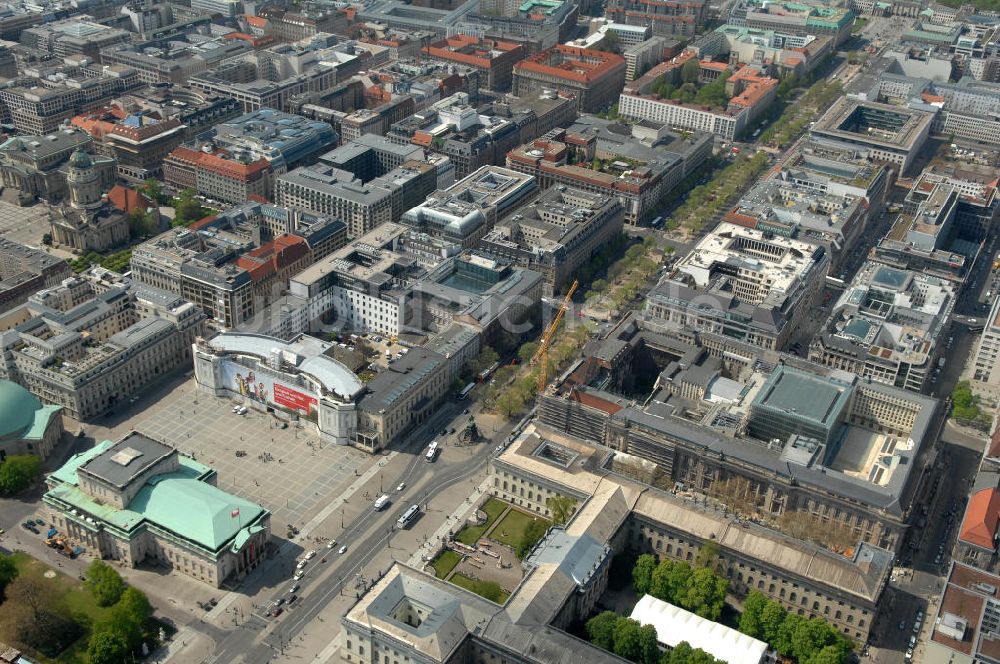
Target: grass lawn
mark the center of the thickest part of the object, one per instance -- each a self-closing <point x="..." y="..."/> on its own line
<point x="477" y="587"/>
<point x="471" y="534"/>
<point x="509" y="530"/>
<point x="70" y="594"/>
<point x="445" y="562"/>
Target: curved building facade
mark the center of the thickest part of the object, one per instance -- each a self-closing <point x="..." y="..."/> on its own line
<point x="296" y="379"/>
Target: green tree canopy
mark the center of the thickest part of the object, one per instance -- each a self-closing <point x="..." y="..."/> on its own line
<point x="690" y="71"/>
<point x="561" y="507"/>
<point x="107" y="647"/>
<point x="642" y="573"/>
<point x="601" y="629"/>
<point x="8" y="571"/>
<point x="18" y="472"/>
<point x="530" y="537"/>
<point x="104" y="583"/>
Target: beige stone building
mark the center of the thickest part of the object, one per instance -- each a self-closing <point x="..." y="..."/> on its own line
<point x="140" y="500"/>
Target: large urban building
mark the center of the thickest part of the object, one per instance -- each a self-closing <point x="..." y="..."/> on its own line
<point x="985" y="378"/>
<point x="750" y="95"/>
<point x="41" y="103"/>
<point x="410" y="614"/>
<point x="889" y="134"/>
<point x="889" y="326"/>
<point x="174" y="58"/>
<point x="821" y="195"/>
<point x="942" y="226"/>
<point x="595" y="78"/>
<point x="968" y="109"/>
<point x="471" y="138"/>
<point x="556" y="234"/>
<point x="816" y="452"/>
<point x="638" y="164"/>
<point x="674" y="18"/>
<point x="241" y="158"/>
<point x="796" y="18"/>
<point x="495" y="59"/>
<point x="234" y="264"/>
<point x="90" y="351"/>
<point x="302" y="380"/>
<point x="742" y="283"/>
<point x="87" y="220"/>
<point x="138" y="500"/>
<point x="25" y="271"/>
<point x="136" y="141"/>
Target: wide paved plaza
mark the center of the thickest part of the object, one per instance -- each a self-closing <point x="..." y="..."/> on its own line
<point x="300" y="475"/>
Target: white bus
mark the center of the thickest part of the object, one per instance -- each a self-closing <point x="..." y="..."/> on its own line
<point x="381" y="502"/>
<point x="432" y="452"/>
<point x="407" y="516"/>
<point x="465" y="391"/>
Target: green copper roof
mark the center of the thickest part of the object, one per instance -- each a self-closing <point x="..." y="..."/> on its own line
<point x="179" y="502"/>
<point x="194" y="510"/>
<point x="41" y="421"/>
<point x="17" y="408"/>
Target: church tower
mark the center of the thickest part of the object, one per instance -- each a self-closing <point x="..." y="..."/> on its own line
<point x="83" y="181"/>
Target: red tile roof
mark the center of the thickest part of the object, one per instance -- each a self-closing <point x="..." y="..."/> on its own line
<point x="981" y="517"/>
<point x="127" y="200"/>
<point x="273" y="256"/>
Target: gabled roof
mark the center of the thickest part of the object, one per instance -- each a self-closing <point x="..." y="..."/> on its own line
<point x="981" y="517"/>
<point x="127" y="200"/>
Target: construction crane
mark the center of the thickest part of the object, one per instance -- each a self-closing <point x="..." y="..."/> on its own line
<point x="542" y="354"/>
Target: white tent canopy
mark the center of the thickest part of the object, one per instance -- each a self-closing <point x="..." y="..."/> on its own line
<point x="673" y="625"/>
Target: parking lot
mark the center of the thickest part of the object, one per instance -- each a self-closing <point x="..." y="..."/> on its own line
<point x="288" y="471"/>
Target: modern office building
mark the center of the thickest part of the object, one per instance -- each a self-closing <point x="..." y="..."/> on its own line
<point x="968" y="108"/>
<point x="595" y="78"/>
<point x="139" y="499"/>
<point x="174" y="58"/>
<point x="985" y="378"/>
<point x="73" y="36"/>
<point x="742" y="283"/>
<point x="462" y="214"/>
<point x="556" y="234"/>
<point x="889" y="134"/>
<point x="89" y="351"/>
<point x="888" y="326"/>
<point x="39" y="105"/>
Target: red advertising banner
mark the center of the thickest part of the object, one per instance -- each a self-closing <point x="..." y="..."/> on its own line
<point x="286" y="396"/>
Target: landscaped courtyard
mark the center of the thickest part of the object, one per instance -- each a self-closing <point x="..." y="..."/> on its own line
<point x="485" y="557"/>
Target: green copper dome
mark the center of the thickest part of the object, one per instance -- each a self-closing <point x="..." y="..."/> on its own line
<point x="80" y="159"/>
<point x="17" y="408"/>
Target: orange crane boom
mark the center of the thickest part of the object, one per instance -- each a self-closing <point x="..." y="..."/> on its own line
<point x="542" y="354"/>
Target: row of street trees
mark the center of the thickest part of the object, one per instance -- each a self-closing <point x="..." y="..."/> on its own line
<point x="795" y="117"/>
<point x="705" y="200"/>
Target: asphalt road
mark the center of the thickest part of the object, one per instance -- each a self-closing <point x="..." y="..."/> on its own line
<point x="259" y="639"/>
